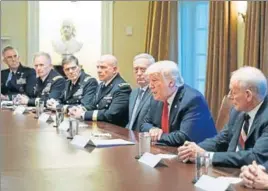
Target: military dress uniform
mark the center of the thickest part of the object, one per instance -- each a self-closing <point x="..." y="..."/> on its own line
<point x="21" y="82"/>
<point x="52" y="87"/>
<point x="82" y="92"/>
<point x="110" y="103"/>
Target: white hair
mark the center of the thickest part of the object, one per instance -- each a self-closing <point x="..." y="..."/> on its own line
<point x="46" y="55"/>
<point x="168" y="69"/>
<point x="108" y="58"/>
<point x="251" y="78"/>
<point x="149" y="57"/>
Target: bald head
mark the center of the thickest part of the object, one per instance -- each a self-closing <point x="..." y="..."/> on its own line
<point x="109" y="59"/>
<point x="107" y="67"/>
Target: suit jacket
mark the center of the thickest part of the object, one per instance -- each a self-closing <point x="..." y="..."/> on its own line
<point x="81" y="93"/>
<point x="51" y="88"/>
<point x="141" y="110"/>
<point x="189" y="118"/>
<point x="225" y="143"/>
<point x="111" y="102"/>
<point x="22" y="83"/>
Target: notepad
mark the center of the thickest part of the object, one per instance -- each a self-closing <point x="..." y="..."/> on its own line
<point x="209" y="183"/>
<point x="109" y="142"/>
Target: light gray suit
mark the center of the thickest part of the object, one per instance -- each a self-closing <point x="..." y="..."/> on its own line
<point x="141" y="110"/>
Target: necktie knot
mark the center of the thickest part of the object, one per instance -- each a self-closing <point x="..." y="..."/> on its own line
<point x="141" y="93"/>
<point x="246" y="117"/>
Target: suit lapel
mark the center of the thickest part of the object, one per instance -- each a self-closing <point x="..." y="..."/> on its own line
<point x="143" y="100"/>
<point x="236" y="132"/>
<point x="254" y="123"/>
<point x="176" y="105"/>
<point x="132" y="103"/>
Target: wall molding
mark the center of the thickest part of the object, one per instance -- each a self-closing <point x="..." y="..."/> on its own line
<point x="33" y="30"/>
<point x="107" y="27"/>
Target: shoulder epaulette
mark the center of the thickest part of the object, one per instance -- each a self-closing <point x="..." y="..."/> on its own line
<point x="123" y="85"/>
<point x="56" y="78"/>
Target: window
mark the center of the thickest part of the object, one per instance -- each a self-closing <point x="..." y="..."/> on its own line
<point x="193" y="41"/>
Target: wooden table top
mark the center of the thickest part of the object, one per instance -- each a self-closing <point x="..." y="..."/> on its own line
<point x="38" y="157"/>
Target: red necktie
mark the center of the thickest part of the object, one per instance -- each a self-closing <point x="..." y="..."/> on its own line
<point x="164" y="119"/>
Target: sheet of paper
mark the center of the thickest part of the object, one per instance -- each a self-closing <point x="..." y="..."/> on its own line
<point x="19" y="110"/>
<point x="44" y="117"/>
<point x="209" y="183"/>
<point x="167" y="156"/>
<point x="80" y="141"/>
<point x="109" y="142"/>
<point x="230" y="180"/>
<point x="150" y="159"/>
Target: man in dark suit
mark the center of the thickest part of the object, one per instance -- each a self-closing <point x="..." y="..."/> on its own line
<point x="177" y="111"/>
<point x="49" y="82"/>
<point x="245" y="136"/>
<point x="112" y="97"/>
<point x="140" y="97"/>
<point x="17" y="79"/>
<point x="255" y="176"/>
<point x="80" y="87"/>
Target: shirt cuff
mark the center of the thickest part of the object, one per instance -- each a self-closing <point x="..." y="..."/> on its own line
<point x="95" y="115"/>
<point x="211" y="154"/>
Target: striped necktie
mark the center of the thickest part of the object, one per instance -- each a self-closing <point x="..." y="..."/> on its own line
<point x="244" y="131"/>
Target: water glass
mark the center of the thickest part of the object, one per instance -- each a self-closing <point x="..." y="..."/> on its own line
<point x="15" y="100"/>
<point x="73" y="128"/>
<point x="39" y="108"/>
<point x="202" y="164"/>
<point x="144" y="143"/>
<point x="59" y="115"/>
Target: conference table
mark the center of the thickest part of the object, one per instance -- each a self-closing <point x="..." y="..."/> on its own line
<point x="35" y="156"/>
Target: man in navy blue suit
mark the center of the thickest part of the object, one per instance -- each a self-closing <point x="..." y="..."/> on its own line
<point x="177" y="112"/>
<point x="245" y="136"/>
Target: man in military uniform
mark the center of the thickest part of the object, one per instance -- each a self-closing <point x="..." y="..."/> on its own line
<point x="112" y="96"/>
<point x="80" y="87"/>
<point x="49" y="82"/>
<point x="17" y="79"/>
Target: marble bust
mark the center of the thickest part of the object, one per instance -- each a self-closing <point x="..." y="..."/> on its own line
<point x="67" y="44"/>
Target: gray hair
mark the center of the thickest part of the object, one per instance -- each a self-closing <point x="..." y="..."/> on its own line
<point x="251" y="78"/>
<point x="108" y="58"/>
<point x="168" y="69"/>
<point x="69" y="59"/>
<point x="7" y="48"/>
<point x="149" y="57"/>
<point x="46" y="55"/>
